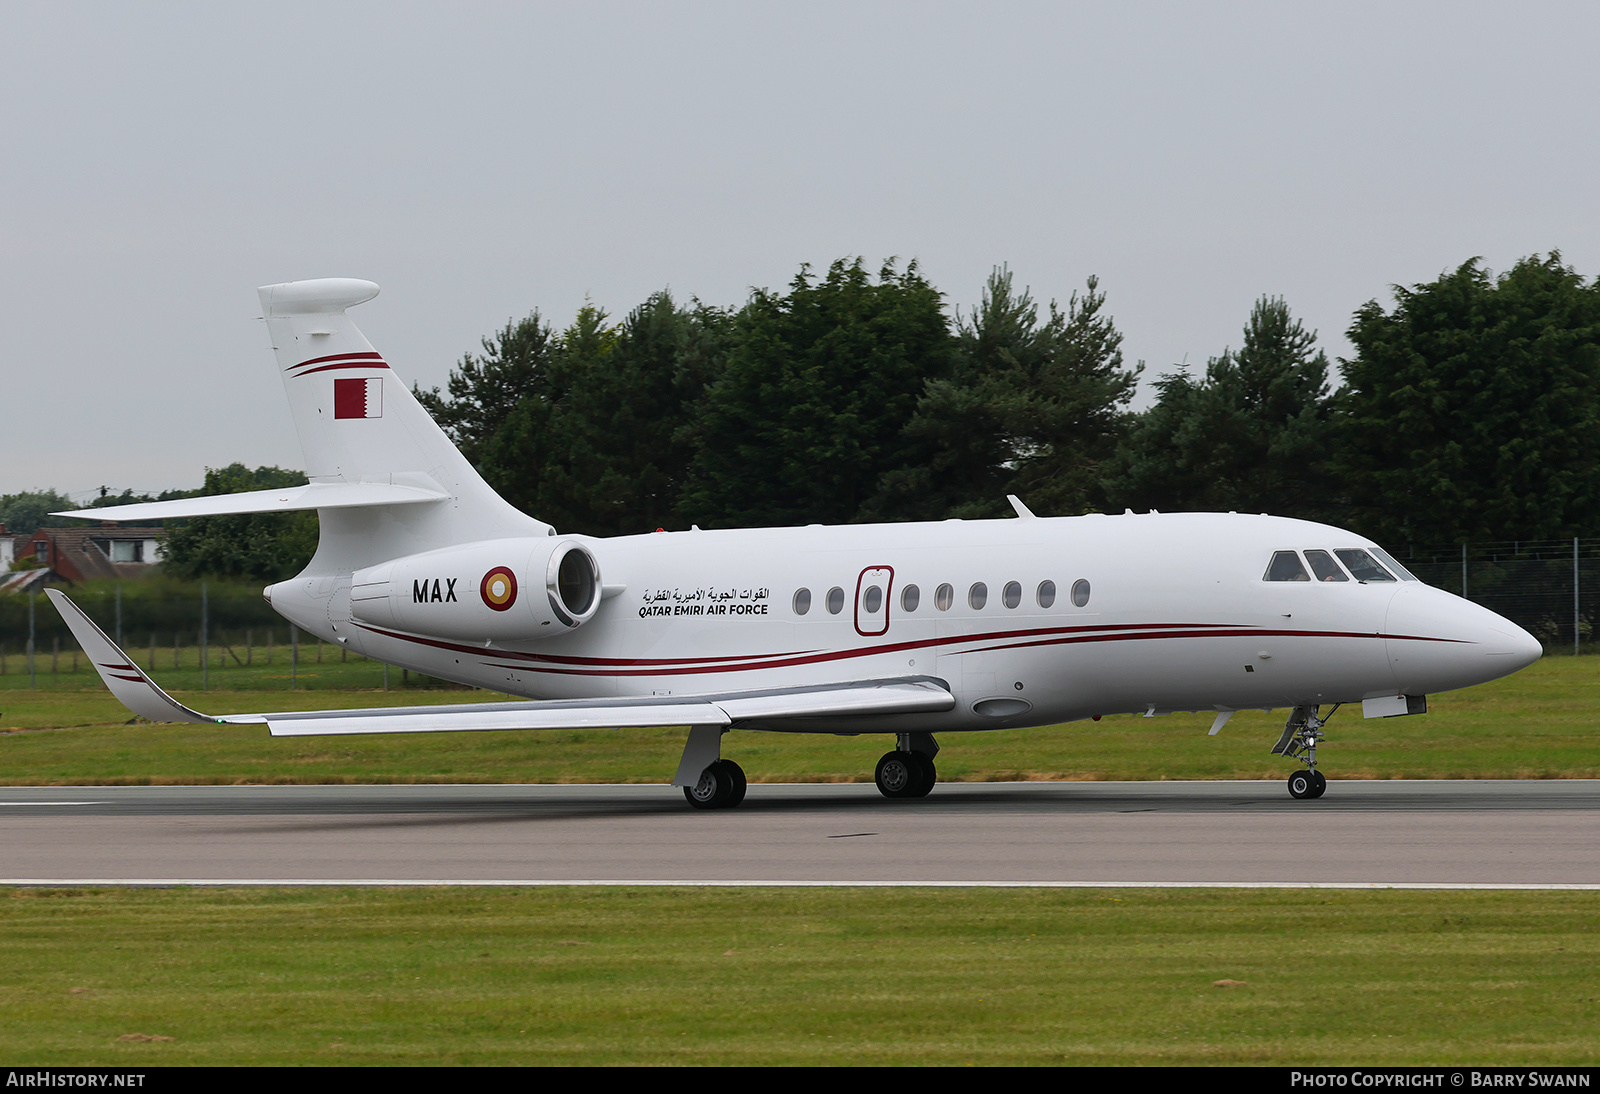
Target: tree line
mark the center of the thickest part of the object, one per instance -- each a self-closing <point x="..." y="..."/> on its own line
<point x="1466" y="413"/>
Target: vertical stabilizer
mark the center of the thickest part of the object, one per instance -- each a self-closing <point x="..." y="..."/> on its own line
<point x="358" y="423"/>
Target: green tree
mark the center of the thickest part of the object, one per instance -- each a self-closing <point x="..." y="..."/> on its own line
<point x="254" y="546"/>
<point x="486" y="391"/>
<point x="30" y="510"/>
<point x="1068" y="400"/>
<point x="1032" y="407"/>
<point x="619" y="441"/>
<point x="1252" y="435"/>
<point x="1473" y="409"/>
<point x="820" y="385"/>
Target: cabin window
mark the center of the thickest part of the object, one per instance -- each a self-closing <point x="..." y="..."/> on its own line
<point x="873" y="600"/>
<point x="802" y="602"/>
<point x="1324" y="567"/>
<point x="1011" y="595"/>
<point x="1286" y="566"/>
<point x="944" y="596"/>
<point x="835" y="600"/>
<point x="1080" y="593"/>
<point x="1363" y="566"/>
<point x="1046" y="594"/>
<point x="978" y="596"/>
<point x="910" y="596"/>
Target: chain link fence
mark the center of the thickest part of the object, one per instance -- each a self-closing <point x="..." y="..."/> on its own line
<point x="1550" y="588"/>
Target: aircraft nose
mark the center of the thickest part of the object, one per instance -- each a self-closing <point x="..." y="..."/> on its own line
<point x="1437" y="642"/>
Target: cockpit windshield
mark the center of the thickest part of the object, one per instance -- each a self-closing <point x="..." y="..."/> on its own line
<point x="1324" y="567"/>
<point x="1394" y="567"/>
<point x="1286" y="566"/>
<point x="1363" y="565"/>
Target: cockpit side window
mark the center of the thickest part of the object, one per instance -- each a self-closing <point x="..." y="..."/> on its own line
<point x="1286" y="566"/>
<point x="1324" y="567"/>
<point x="1363" y="566"/>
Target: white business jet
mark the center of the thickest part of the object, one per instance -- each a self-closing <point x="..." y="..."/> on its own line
<point x="900" y="629"/>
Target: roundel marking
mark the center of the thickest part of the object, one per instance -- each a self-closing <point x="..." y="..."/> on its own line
<point x="499" y="588"/>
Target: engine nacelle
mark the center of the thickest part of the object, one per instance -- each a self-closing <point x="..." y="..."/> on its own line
<point x="498" y="590"/>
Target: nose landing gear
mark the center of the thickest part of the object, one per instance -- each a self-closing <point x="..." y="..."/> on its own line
<point x="1299" y="742"/>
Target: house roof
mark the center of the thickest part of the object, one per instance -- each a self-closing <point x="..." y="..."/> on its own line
<point x="79" y="554"/>
<point x="23" y="581"/>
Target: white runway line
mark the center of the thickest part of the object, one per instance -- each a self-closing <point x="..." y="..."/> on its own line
<point x="412" y="883"/>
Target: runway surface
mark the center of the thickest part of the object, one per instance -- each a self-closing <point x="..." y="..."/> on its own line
<point x="1488" y="833"/>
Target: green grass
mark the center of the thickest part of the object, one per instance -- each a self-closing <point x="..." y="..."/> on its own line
<point x="1539" y="723"/>
<point x="818" y="976"/>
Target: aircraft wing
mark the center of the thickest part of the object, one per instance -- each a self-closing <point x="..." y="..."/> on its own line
<point x="143" y="696"/>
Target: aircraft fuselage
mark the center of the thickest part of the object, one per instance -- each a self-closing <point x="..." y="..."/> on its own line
<point x="1029" y="621"/>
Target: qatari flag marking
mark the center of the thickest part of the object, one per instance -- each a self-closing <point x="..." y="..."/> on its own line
<point x="358" y="397"/>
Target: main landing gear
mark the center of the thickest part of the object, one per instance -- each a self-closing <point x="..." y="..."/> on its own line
<point x="711" y="782"/>
<point x="1299" y="742"/>
<point x="908" y="771"/>
<point x="721" y="786"/>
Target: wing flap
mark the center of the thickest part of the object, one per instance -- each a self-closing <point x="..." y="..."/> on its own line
<point x="867" y="697"/>
<point x="492" y="716"/>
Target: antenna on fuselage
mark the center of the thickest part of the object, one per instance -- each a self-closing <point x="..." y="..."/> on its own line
<point x="1022" y="510"/>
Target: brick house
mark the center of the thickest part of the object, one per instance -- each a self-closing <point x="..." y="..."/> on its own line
<point x="82" y="554"/>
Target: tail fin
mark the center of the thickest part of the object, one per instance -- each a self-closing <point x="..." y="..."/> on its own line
<point x="385" y="480"/>
<point x="358" y="423"/>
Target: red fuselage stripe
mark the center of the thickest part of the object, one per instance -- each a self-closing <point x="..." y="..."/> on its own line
<point x="889" y="648"/>
<point x="686" y="667"/>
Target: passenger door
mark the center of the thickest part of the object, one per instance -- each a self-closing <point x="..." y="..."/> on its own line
<point x="873" y="587"/>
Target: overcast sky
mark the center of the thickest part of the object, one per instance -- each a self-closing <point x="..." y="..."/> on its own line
<point x="159" y="161"/>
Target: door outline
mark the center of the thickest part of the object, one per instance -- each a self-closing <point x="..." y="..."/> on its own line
<point x="888" y="587"/>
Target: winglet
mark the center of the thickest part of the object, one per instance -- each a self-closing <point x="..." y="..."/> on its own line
<point x="133" y="688"/>
<point x="1016" y="503"/>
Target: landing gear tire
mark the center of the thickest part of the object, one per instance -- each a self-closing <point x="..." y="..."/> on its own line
<point x="905" y="775"/>
<point x="736" y="776"/>
<point x="1304" y="784"/>
<point x="721" y="786"/>
<point x="898" y="775"/>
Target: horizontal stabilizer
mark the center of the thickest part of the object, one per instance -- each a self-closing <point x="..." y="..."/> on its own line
<point x="317" y="495"/>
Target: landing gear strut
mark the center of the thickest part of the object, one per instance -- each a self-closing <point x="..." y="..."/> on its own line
<point x="1299" y="742"/>
<point x="908" y="771"/>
